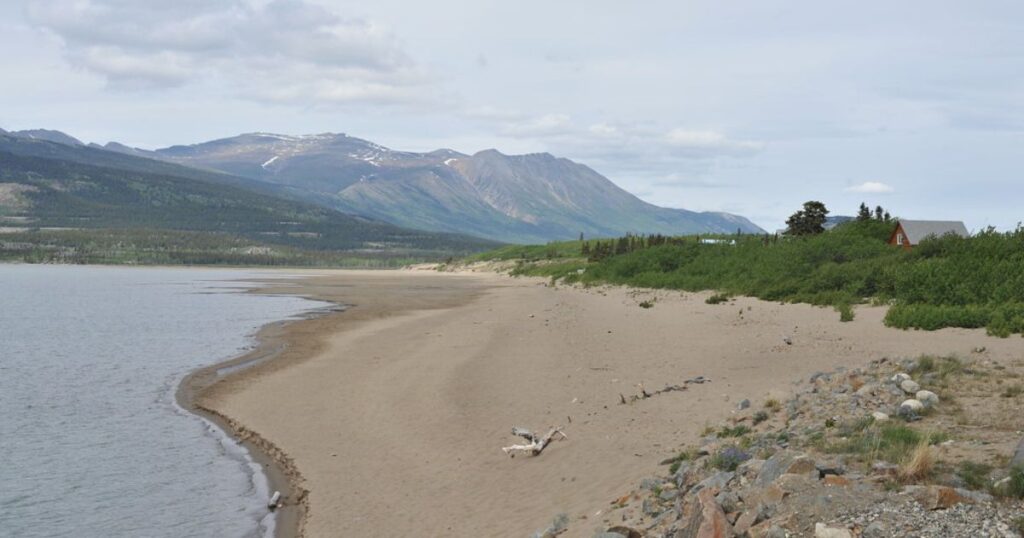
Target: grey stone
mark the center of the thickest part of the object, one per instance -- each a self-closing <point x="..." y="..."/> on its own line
<point x="744" y="404"/>
<point x="927" y="397"/>
<point x="910" y="386"/>
<point x="717" y="482"/>
<point x="783" y="462"/>
<point x="683" y="475"/>
<point x="650" y="483"/>
<point x="1018" y="454"/>
<point x="876" y="529"/>
<point x="729" y="501"/>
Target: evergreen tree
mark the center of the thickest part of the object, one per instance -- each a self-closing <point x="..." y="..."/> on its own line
<point x="878" y="213"/>
<point x="864" y="213"/>
<point x="808" y="221"/>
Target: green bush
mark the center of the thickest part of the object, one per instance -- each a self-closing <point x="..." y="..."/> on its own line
<point x="943" y="282"/>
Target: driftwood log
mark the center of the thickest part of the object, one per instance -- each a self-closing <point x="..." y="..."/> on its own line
<point x="536" y="445"/>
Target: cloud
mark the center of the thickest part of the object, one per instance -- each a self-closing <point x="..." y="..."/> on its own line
<point x="281" y="51"/>
<point x="871" y="187"/>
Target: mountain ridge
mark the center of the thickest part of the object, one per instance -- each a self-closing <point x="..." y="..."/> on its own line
<point x="534" y="197"/>
<point x="528" y="198"/>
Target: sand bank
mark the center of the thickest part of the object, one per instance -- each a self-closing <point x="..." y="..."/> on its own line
<point x="391" y="415"/>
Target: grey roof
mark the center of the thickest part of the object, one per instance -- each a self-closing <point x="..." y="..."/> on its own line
<point x="917" y="230"/>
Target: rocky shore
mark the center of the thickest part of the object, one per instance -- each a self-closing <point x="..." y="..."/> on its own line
<point x="915" y="447"/>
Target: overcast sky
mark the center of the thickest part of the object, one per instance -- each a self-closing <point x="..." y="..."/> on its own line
<point x="749" y="107"/>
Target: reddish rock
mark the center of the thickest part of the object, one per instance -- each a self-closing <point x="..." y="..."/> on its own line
<point x="704" y="518"/>
<point x="836" y="480"/>
<point x="937" y="497"/>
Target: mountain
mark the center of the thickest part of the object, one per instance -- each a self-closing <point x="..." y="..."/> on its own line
<point x="53" y="185"/>
<point x="515" y="198"/>
<point x="46" y="134"/>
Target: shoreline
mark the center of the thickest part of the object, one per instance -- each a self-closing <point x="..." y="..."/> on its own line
<point x="419" y="355"/>
<point x="278" y="468"/>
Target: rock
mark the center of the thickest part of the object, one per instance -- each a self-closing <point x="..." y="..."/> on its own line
<point x="650" y="507"/>
<point x="911" y="408"/>
<point x="830" y="467"/>
<point x="876" y="529"/>
<point x="792" y="483"/>
<point x="900" y="378"/>
<point x="884" y="468"/>
<point x="927" y="397"/>
<point x="767" y="529"/>
<point x="750" y="468"/>
<point x="822" y="530"/>
<point x="975" y="496"/>
<point x="745" y="521"/>
<point x="784" y="462"/>
<point x="650" y="483"/>
<point x="936" y="497"/>
<point x="879" y="416"/>
<point x="1018" y="455"/>
<point x="683" y="476"/>
<point x="744" y="404"/>
<point x="625" y="532"/>
<point x="835" y="480"/>
<point x="714" y="483"/>
<point x="704" y="518"/>
<point x="669" y="494"/>
<point x="729" y="501"/>
<point x="910" y="386"/>
<point x="866" y="390"/>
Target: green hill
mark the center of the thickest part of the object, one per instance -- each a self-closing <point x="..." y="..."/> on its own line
<point x="59" y="192"/>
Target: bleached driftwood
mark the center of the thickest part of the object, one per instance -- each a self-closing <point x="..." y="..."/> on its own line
<point x="644" y="394"/>
<point x="537" y="444"/>
<point x="275" y="501"/>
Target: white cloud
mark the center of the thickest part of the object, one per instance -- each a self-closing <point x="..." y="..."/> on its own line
<point x="871" y="187"/>
<point x="284" y="50"/>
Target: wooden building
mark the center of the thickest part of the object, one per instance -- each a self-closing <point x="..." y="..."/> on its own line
<point x="909" y="233"/>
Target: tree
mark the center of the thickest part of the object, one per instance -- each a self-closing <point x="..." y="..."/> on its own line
<point x="864" y="213"/>
<point x="808" y="221"/>
<point x="878" y="213"/>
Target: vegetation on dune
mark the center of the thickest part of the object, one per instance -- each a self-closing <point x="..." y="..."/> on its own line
<point x="948" y="281"/>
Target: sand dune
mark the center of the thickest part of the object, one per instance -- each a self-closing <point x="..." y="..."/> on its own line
<point x="394" y="412"/>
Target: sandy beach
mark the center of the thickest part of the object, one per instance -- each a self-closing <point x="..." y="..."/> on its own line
<point x="388" y="418"/>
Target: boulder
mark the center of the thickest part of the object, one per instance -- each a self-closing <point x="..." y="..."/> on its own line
<point x="900" y="378"/>
<point x="927" y="397"/>
<point x="704" y="518"/>
<point x="879" y="416"/>
<point x="715" y="483"/>
<point x="625" y="532"/>
<point x="836" y="480"/>
<point x="1018" y="455"/>
<point x="910" y="386"/>
<point x="822" y="530"/>
<point x="767" y="529"/>
<point x="936" y="497"/>
<point x="784" y="462"/>
<point x="911" y="408"/>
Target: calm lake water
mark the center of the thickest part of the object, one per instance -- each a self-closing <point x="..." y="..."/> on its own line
<point x="92" y="443"/>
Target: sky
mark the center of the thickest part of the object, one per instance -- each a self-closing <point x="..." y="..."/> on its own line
<point x="750" y="107"/>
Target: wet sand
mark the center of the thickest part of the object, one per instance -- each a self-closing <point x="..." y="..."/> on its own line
<point x="388" y="419"/>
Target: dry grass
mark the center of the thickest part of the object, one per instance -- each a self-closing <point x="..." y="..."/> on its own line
<point x="919" y="464"/>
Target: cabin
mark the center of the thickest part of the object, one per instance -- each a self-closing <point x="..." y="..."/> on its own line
<point x="909" y="233"/>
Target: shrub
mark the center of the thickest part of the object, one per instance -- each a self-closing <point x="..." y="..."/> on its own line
<point x="760" y="417"/>
<point x="729" y="458"/>
<point x="717" y="298"/>
<point x="975" y="475"/>
<point x="918" y="464"/>
<point x="735" y="431"/>
<point x="845" y="312"/>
